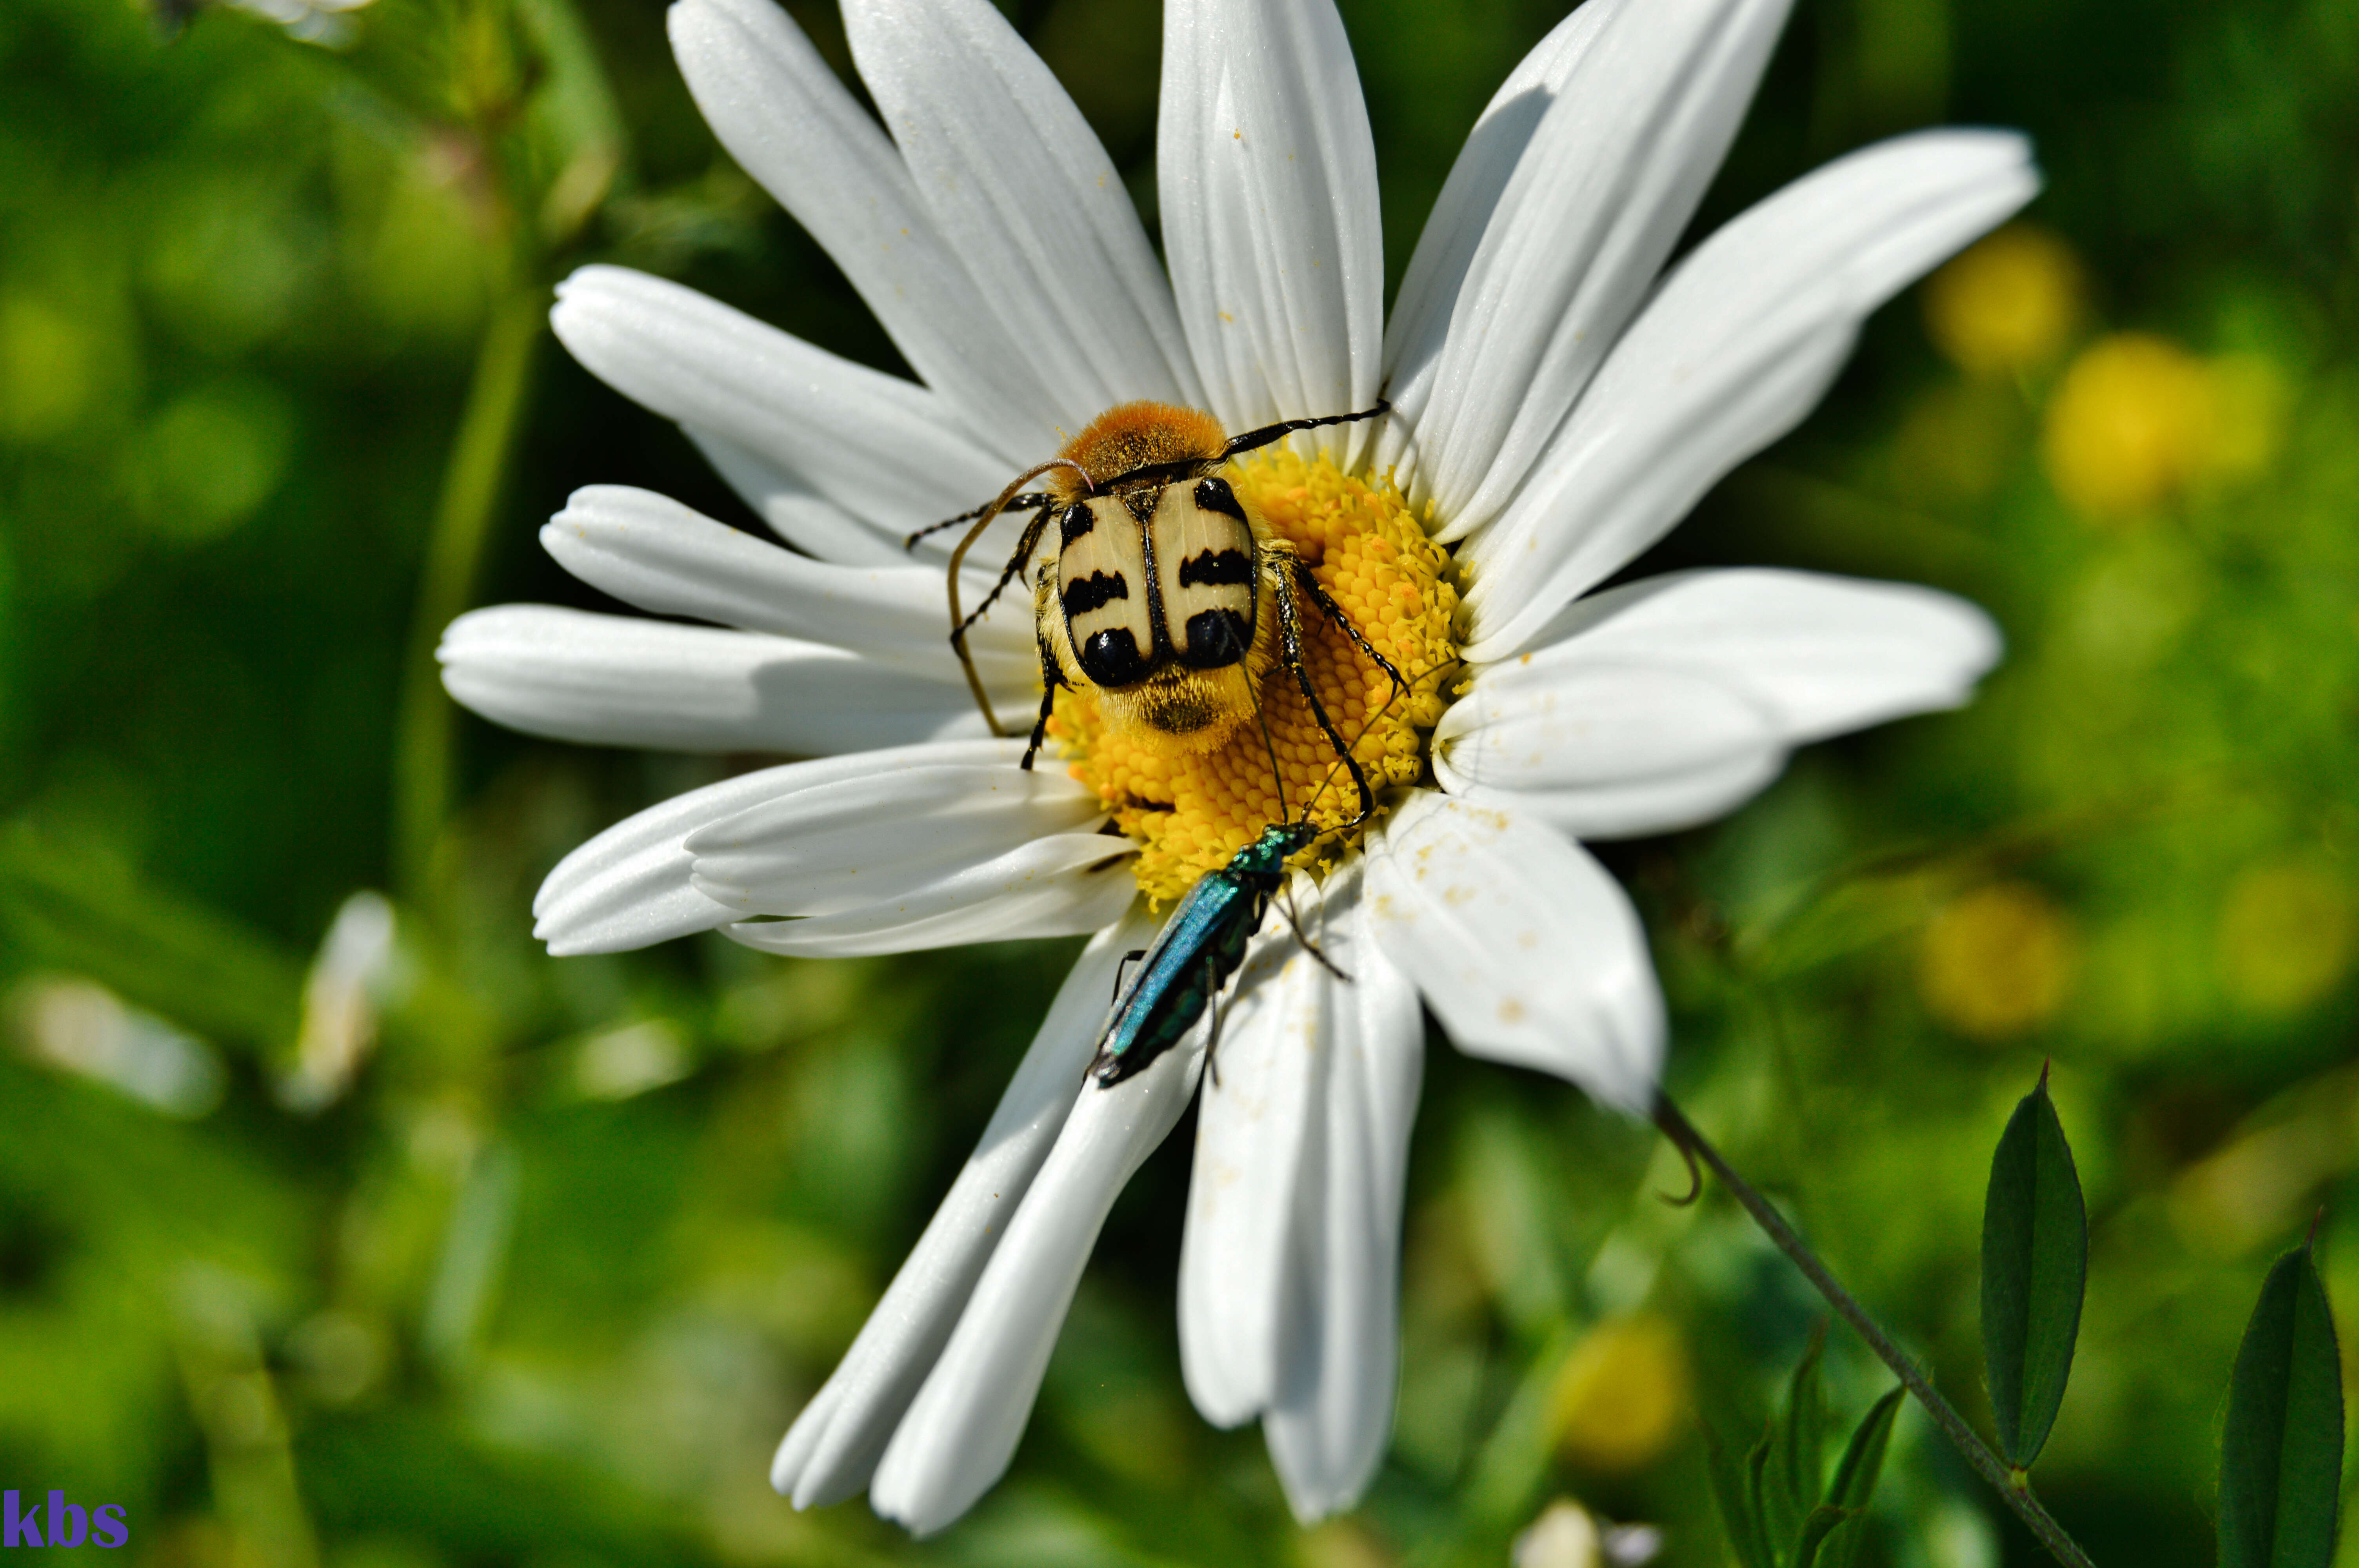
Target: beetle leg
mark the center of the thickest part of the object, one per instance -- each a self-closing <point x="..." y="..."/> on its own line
<point x="1286" y="907"/>
<point x="1212" y="1025"/>
<point x="1134" y="955"/>
<point x="1334" y="612"/>
<point x="1016" y="564"/>
<point x="1051" y="677"/>
<point x="1290" y="643"/>
<point x="1021" y="503"/>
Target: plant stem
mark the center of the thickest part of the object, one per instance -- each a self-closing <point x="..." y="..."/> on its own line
<point x="2013" y="1487"/>
<point x="471" y="490"/>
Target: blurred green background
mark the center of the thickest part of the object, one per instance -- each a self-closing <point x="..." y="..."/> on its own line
<point x="338" y="1225"/>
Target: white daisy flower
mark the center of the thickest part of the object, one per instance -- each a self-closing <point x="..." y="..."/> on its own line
<point x="1560" y="401"/>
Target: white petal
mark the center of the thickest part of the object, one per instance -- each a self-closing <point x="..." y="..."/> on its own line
<point x="819" y="528"/>
<point x="1666" y="702"/>
<point x="963" y="1427"/>
<point x="782" y="113"/>
<point x="794" y="511"/>
<point x="1252" y="1130"/>
<point x="835" y="1444"/>
<point x="629" y="886"/>
<point x="1611" y="174"/>
<point x="1023" y="193"/>
<point x="1605" y="749"/>
<point x="844" y="845"/>
<point x="1735" y="349"/>
<point x="1822" y="655"/>
<point x="1328" y="1431"/>
<point x="619" y="680"/>
<point x="1058" y="886"/>
<point x="1523" y="946"/>
<point x="1266" y="179"/>
<point x="886" y="450"/>
<point x="649" y="550"/>
<point x="1555" y="540"/>
<point x="1462" y="215"/>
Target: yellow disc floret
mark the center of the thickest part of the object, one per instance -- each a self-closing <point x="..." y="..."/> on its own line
<point x="1369" y="551"/>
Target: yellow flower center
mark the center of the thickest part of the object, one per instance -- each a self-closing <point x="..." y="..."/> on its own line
<point x="1190" y="814"/>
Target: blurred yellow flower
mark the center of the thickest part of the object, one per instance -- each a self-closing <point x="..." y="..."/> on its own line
<point x="1996" y="961"/>
<point x="2286" y="934"/>
<point x="2007" y="305"/>
<point x="2132" y="420"/>
<point x="1622" y="1395"/>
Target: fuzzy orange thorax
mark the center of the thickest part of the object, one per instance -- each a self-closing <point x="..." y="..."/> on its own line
<point x="1135" y="435"/>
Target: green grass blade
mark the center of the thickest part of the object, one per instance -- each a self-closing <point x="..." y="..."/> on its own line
<point x="69" y="909"/>
<point x="2281" y="1454"/>
<point x="2035" y="1264"/>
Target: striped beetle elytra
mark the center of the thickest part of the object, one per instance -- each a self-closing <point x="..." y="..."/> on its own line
<point x="1165" y="593"/>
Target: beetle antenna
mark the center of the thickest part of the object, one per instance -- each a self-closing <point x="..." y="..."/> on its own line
<point x="959" y="623"/>
<point x="1285" y="427"/>
<point x="1199" y="468"/>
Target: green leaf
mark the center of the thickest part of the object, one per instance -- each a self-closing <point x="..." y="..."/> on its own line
<point x="1759" y="1491"/>
<point x="1796" y="1443"/>
<point x="2281" y="1455"/>
<point x="2035" y="1264"/>
<point x="1844" y="1542"/>
<point x="1730" y="1490"/>
<point x="1863" y="1460"/>
<point x="1816" y="1526"/>
<point x="1855" y="1477"/>
<point x="1800" y="1454"/>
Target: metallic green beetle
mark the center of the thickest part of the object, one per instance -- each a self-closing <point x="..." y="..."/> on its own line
<point x="1196" y="952"/>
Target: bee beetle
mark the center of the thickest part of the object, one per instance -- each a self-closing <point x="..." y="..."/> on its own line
<point x="1162" y="583"/>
